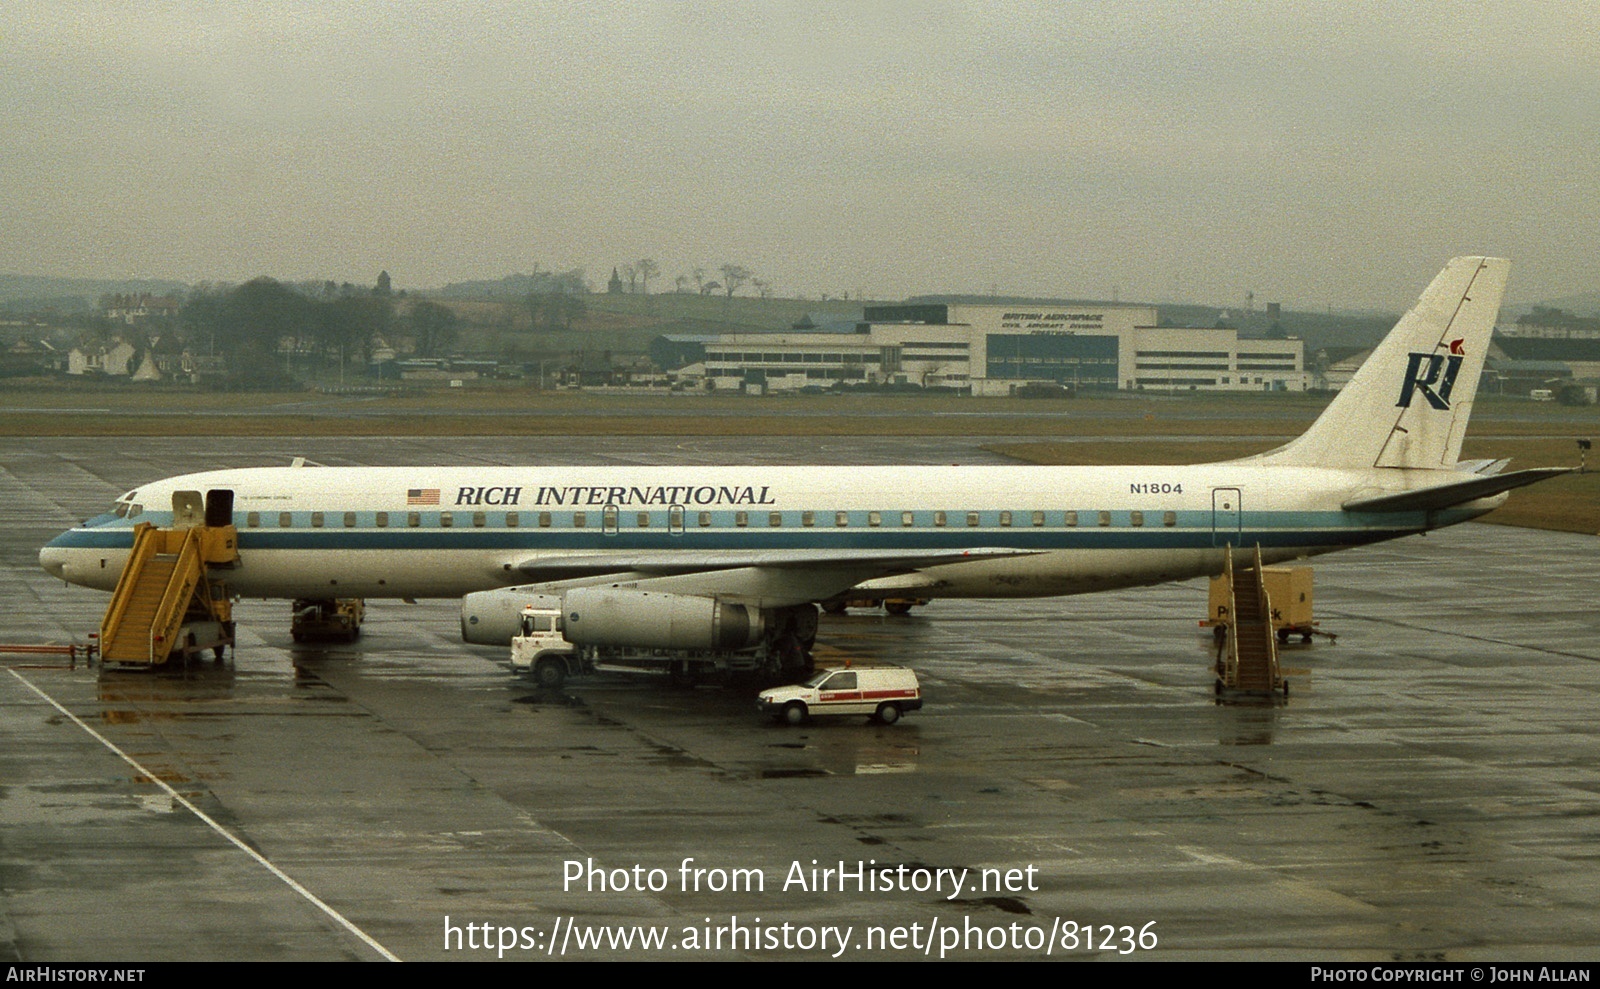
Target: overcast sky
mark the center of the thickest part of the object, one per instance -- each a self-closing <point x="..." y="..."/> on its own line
<point x="1318" y="154"/>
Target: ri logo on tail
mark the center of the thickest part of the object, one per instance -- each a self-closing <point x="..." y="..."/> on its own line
<point x="1433" y="376"/>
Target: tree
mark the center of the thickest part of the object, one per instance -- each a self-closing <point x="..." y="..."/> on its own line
<point x="733" y="276"/>
<point x="382" y="289"/>
<point x="554" y="309"/>
<point x="434" y="327"/>
<point x="647" y="269"/>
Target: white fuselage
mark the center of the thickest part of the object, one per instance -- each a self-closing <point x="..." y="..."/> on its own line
<point x="411" y="532"/>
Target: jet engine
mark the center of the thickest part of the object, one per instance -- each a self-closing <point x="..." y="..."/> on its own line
<point x="492" y="618"/>
<point x="610" y="616"/>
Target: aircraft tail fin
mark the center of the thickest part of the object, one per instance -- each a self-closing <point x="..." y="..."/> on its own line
<point x="1409" y="403"/>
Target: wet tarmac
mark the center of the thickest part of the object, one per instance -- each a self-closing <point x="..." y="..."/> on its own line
<point x="1431" y="789"/>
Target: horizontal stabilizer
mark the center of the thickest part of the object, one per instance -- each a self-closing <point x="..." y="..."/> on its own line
<point x="1454" y="493"/>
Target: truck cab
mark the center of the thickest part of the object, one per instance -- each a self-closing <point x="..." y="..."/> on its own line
<point x="541" y="648"/>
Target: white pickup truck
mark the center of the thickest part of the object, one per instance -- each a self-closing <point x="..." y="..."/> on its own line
<point x="880" y="692"/>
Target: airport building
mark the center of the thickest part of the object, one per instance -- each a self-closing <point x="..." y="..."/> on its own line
<point x="991" y="350"/>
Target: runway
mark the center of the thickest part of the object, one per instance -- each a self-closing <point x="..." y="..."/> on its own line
<point x="1430" y="791"/>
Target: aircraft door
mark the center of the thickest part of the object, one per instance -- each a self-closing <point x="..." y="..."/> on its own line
<point x="675" y="520"/>
<point x="609" y="520"/>
<point x="219" y="507"/>
<point x="188" y="509"/>
<point x="1226" y="517"/>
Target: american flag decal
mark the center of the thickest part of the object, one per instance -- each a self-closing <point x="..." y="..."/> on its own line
<point x="422" y="496"/>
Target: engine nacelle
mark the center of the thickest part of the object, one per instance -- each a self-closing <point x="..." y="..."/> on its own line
<point x="611" y="616"/>
<point x="492" y="618"/>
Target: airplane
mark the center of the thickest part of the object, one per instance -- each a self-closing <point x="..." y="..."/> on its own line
<point x="737" y="558"/>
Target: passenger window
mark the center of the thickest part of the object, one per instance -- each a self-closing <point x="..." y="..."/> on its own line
<point x="1136" y="518"/>
<point x="1105" y="518"/>
<point x="938" y="518"/>
<point x="1005" y="518"/>
<point x="1070" y="518"/>
<point x="644" y="520"/>
<point x="413" y="519"/>
<point x="841" y="681"/>
<point x="808" y="518"/>
<point x="512" y="520"/>
<point x="446" y="520"/>
<point x="874" y="518"/>
<point x="774" y="519"/>
<point x="741" y="519"/>
<point x="382" y="519"/>
<point x="841" y="518"/>
<point x="972" y="518"/>
<point x="285" y="520"/>
<point x="349" y="520"/>
<point x="252" y="519"/>
<point x="705" y="520"/>
<point x="579" y="520"/>
<point x="906" y="518"/>
<point x="1038" y="518"/>
<point x="544" y="520"/>
<point x="1169" y="518"/>
<point x="479" y="520"/>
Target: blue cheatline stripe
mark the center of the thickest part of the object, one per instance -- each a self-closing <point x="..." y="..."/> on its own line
<point x="1193" y="531"/>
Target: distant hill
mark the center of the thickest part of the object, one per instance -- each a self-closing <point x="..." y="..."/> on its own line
<point x="26" y="293"/>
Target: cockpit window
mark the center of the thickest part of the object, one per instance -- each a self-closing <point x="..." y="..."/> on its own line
<point x="120" y="509"/>
<point x="135" y="510"/>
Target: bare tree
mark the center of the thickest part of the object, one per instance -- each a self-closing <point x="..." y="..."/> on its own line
<point x="733" y="276"/>
<point x="700" y="281"/>
<point x="648" y="269"/>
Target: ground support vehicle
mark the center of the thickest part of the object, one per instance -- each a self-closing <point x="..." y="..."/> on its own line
<point x="327" y="619"/>
<point x="541" y="649"/>
<point x="894" y="606"/>
<point x="883" y="693"/>
<point x="1288" y="589"/>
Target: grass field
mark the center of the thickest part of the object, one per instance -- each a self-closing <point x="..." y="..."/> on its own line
<point x="1148" y="429"/>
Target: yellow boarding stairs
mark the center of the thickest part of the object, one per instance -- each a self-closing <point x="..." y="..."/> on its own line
<point x="167" y="602"/>
<point x="1247" y="662"/>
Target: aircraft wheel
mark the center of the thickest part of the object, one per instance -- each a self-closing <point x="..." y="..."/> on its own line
<point x="794" y="714"/>
<point x="550" y="673"/>
<point x="888" y="713"/>
<point x="834" y="607"/>
<point x="897" y="607"/>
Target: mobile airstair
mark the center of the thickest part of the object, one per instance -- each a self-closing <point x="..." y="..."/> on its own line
<point x="1247" y="653"/>
<point x="170" y="599"/>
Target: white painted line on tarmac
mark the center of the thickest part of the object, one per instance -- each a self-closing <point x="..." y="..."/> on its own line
<point x="219" y="829"/>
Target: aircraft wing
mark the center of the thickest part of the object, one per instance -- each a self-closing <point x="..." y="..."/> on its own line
<point x="773" y="577"/>
<point x="1455" y="492"/>
<point x="569" y="565"/>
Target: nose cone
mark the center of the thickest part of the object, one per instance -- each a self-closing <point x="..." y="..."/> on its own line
<point x="54" y="560"/>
